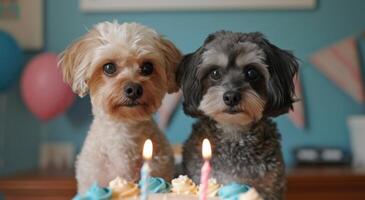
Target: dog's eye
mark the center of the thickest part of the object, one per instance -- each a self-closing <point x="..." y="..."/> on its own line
<point x="146" y="69"/>
<point x="252" y="74"/>
<point x="109" y="69"/>
<point x="215" y="74"/>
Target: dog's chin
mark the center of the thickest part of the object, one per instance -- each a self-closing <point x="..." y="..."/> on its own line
<point x="130" y="112"/>
<point x="233" y="110"/>
<point x="131" y="104"/>
<point x="233" y="117"/>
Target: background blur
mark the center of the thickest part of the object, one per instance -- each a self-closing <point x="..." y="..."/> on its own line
<point x="303" y="31"/>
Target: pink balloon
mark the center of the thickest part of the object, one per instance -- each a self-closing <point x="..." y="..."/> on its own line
<point x="42" y="87"/>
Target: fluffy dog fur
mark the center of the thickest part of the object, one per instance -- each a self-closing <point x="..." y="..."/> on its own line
<point x="234" y="84"/>
<point x="127" y="69"/>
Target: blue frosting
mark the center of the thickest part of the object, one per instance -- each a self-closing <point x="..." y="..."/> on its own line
<point x="157" y="185"/>
<point x="232" y="191"/>
<point x="95" y="192"/>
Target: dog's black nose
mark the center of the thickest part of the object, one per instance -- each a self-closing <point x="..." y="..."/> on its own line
<point x="231" y="98"/>
<point x="133" y="91"/>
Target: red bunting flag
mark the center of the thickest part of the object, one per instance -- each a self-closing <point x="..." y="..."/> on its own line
<point x="340" y="63"/>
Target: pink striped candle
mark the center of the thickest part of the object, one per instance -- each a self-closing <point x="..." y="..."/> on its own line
<point x="207" y="154"/>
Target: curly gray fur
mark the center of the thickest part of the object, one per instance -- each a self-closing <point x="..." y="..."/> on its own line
<point x="235" y="111"/>
<point x="251" y="156"/>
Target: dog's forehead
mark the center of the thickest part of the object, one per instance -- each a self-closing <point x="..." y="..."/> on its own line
<point x="135" y="37"/>
<point x="224" y="48"/>
<point x="251" y="53"/>
<point x="215" y="57"/>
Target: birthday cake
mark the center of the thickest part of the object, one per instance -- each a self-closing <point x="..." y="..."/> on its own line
<point x="181" y="188"/>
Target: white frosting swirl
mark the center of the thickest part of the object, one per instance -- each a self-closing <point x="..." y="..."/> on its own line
<point x="122" y="189"/>
<point x="251" y="194"/>
<point x="183" y="185"/>
<point x="213" y="187"/>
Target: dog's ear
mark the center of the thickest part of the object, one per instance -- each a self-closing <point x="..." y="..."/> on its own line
<point x="282" y="66"/>
<point x="186" y="77"/>
<point x="172" y="57"/>
<point x="74" y="62"/>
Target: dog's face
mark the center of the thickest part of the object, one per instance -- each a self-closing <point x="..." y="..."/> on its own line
<point x="237" y="78"/>
<point x="127" y="69"/>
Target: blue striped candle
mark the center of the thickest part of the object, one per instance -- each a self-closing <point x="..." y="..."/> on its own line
<point x="145" y="175"/>
<point x="145" y="170"/>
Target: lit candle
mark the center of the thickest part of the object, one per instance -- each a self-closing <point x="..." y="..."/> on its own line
<point x="207" y="154"/>
<point x="145" y="171"/>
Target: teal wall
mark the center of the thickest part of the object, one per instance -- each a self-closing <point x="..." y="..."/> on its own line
<point x="301" y="31"/>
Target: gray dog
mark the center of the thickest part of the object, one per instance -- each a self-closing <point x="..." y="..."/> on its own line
<point x="234" y="84"/>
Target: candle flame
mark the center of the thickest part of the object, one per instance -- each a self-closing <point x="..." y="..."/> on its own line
<point x="147" y="149"/>
<point x="206" y="149"/>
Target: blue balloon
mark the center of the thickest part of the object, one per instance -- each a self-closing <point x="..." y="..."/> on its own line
<point x="11" y="60"/>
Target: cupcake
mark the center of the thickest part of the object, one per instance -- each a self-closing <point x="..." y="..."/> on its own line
<point x="232" y="191"/>
<point x="157" y="185"/>
<point x="251" y="194"/>
<point x="213" y="187"/>
<point x="95" y="193"/>
<point x="122" y="189"/>
<point x="183" y="185"/>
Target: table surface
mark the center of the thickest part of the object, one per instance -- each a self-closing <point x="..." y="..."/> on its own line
<point x="299" y="182"/>
<point x="323" y="174"/>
